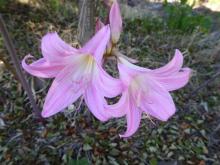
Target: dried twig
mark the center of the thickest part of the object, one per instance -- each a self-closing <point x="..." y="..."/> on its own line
<point x="10" y="47"/>
<point x="195" y="91"/>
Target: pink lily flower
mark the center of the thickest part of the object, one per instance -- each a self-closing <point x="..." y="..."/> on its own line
<point x="77" y="72"/>
<point x="148" y="90"/>
<point x="115" y="20"/>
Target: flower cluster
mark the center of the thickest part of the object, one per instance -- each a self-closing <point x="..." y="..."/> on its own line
<point x="79" y="73"/>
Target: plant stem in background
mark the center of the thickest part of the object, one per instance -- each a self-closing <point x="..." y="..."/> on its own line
<point x="10" y="47"/>
<point x="86" y="23"/>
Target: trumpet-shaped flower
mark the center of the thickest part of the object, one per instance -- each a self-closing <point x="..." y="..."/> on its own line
<point x="77" y="72"/>
<point x="147" y="91"/>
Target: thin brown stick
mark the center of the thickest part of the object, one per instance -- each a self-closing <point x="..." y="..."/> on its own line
<point x="195" y="91"/>
<point x="10" y="47"/>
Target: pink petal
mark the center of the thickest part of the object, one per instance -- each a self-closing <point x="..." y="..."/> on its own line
<point x="126" y="74"/>
<point x="119" y="54"/>
<point x="96" y="103"/>
<point x="41" y="68"/>
<point x="174" y="81"/>
<point x="158" y="102"/>
<point x="54" y="48"/>
<point x="99" y="24"/>
<point x="63" y="92"/>
<point x="133" y="116"/>
<point x="97" y="45"/>
<point x="119" y="109"/>
<point x="131" y="66"/>
<point x="109" y="86"/>
<point x="131" y="60"/>
<point x="128" y="70"/>
<point x="173" y="66"/>
<point x="115" y="22"/>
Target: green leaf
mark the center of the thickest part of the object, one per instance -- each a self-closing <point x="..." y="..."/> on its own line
<point x="82" y="161"/>
<point x="87" y="147"/>
<point x="153" y="161"/>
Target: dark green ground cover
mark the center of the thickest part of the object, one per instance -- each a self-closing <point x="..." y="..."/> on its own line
<point x="192" y="136"/>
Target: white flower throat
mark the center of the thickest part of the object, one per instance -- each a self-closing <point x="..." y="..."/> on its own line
<point x="138" y="87"/>
<point x="84" y="71"/>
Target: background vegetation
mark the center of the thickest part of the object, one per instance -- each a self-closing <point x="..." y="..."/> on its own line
<point x="192" y="136"/>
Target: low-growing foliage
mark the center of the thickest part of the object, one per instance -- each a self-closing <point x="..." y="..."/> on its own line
<point x="180" y="16"/>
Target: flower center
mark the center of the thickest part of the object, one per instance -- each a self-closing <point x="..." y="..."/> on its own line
<point x="84" y="71"/>
<point x="138" y="87"/>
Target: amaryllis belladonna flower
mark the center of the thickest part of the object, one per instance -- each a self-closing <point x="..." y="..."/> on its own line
<point x="77" y="72"/>
<point x="114" y="19"/>
<point x="147" y="91"/>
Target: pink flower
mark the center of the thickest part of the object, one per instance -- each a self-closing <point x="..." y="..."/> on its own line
<point x="77" y="72"/>
<point x="115" y="20"/>
<point x="147" y="91"/>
